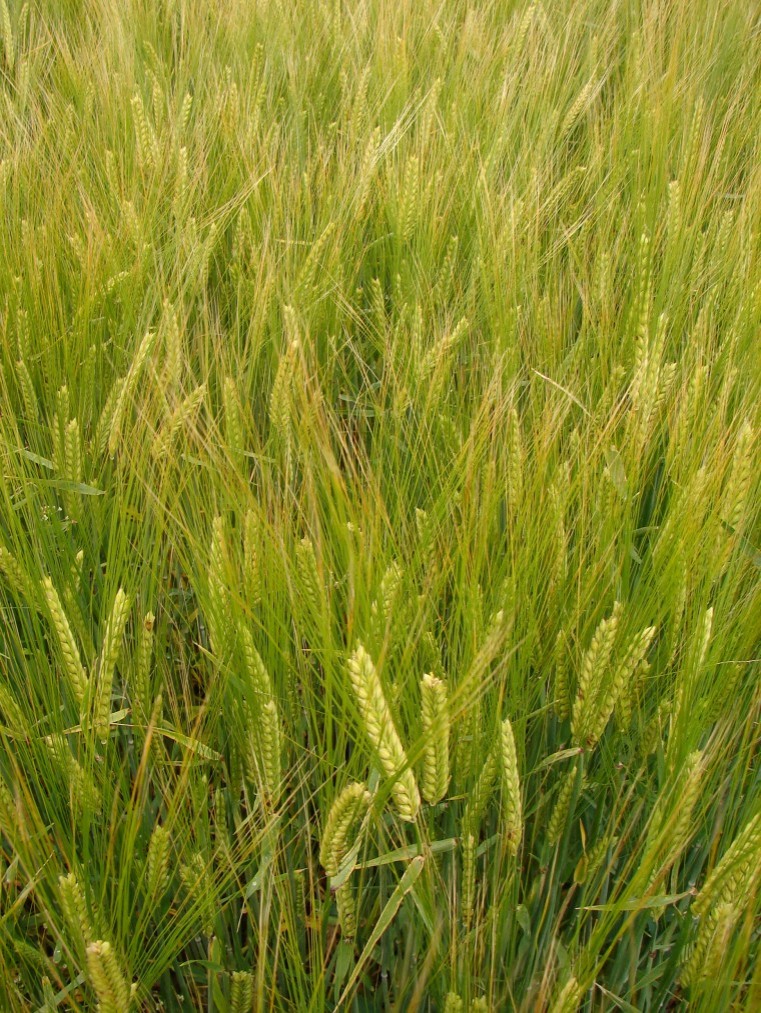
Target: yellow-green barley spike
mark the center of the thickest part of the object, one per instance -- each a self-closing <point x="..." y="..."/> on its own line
<point x="468" y="844"/>
<point x="568" y="999"/>
<point x="435" y="780"/>
<point x="69" y="651"/>
<point x="251" y="557"/>
<point x="157" y="863"/>
<point x="271" y="752"/>
<point x="710" y="948"/>
<point x="594" y="668"/>
<point x="107" y="978"/>
<point x="74" y="907"/>
<point x="141" y="702"/>
<point x="562" y="809"/>
<point x="512" y="805"/>
<point x="109" y="655"/>
<point x="218" y="618"/>
<point x="453" y="1003"/>
<point x="311" y="588"/>
<point x="741" y="859"/>
<point x="344" y="820"/>
<point x="242" y="992"/>
<point x="381" y="731"/>
<point x="346" y="902"/>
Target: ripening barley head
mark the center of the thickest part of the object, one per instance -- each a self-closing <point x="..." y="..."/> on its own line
<point x="672" y="825"/>
<point x="512" y="806"/>
<point x="732" y="875"/>
<point x="710" y="948"/>
<point x="468" y="892"/>
<point x="310" y="585"/>
<point x="561" y="812"/>
<point x="435" y="718"/>
<point x="110" y="651"/>
<point x="69" y="651"/>
<point x="157" y="862"/>
<point x="382" y="734"/>
<point x="568" y="999"/>
<point x="594" y="669"/>
<point x="346" y="902"/>
<point x="342" y="827"/>
<point x="267" y="752"/>
<point x="74" y="907"/>
<point x="242" y="992"/>
<point x="453" y="1003"/>
<point x="107" y="978"/>
<point x="218" y="618"/>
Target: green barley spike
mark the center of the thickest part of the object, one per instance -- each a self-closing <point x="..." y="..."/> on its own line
<point x="568" y="999"/>
<point x="346" y="902"/>
<point x="180" y="418"/>
<point x="242" y="992"/>
<point x="512" y="807"/>
<point x="256" y="670"/>
<point x="344" y="820"/>
<point x="311" y="588"/>
<point x="218" y="618"/>
<point x="381" y="731"/>
<point x="562" y="809"/>
<point x="74" y="907"/>
<point x="479" y="797"/>
<point x="410" y="197"/>
<point x="69" y="651"/>
<point x="435" y="711"/>
<point x="611" y="690"/>
<point x="233" y="423"/>
<point x="9" y="46"/>
<point x="127" y="389"/>
<point x="141" y="701"/>
<point x="738" y="486"/>
<point x="112" y="642"/>
<point x="714" y="937"/>
<point x="740" y="860"/>
<point x="468" y="877"/>
<point x="594" y="668"/>
<point x="28" y="395"/>
<point x="107" y="978"/>
<point x="106" y="419"/>
<point x="562" y="691"/>
<point x="251" y="557"/>
<point x="12" y="571"/>
<point x="157" y="863"/>
<point x="10" y="712"/>
<point x="670" y="831"/>
<point x="72" y="466"/>
<point x="271" y="752"/>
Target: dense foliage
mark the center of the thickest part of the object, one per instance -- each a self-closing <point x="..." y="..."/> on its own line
<point x="380" y="536"/>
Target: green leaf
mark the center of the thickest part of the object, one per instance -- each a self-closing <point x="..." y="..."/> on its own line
<point x="387" y="915"/>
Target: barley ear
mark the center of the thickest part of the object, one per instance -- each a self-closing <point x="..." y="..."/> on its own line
<point x="344" y="819"/>
<point x="157" y="863"/>
<point x="512" y="806"/>
<point x="435" y="780"/>
<point x="109" y="656"/>
<point x="382" y="734"/>
<point x="74" y="908"/>
<point x="107" y="978"/>
<point x="242" y="992"/>
<point x="69" y="651"/>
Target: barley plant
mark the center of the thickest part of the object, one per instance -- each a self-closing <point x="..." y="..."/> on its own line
<point x="380" y="514"/>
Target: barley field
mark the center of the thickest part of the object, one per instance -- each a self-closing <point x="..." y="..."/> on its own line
<point x="380" y="514"/>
